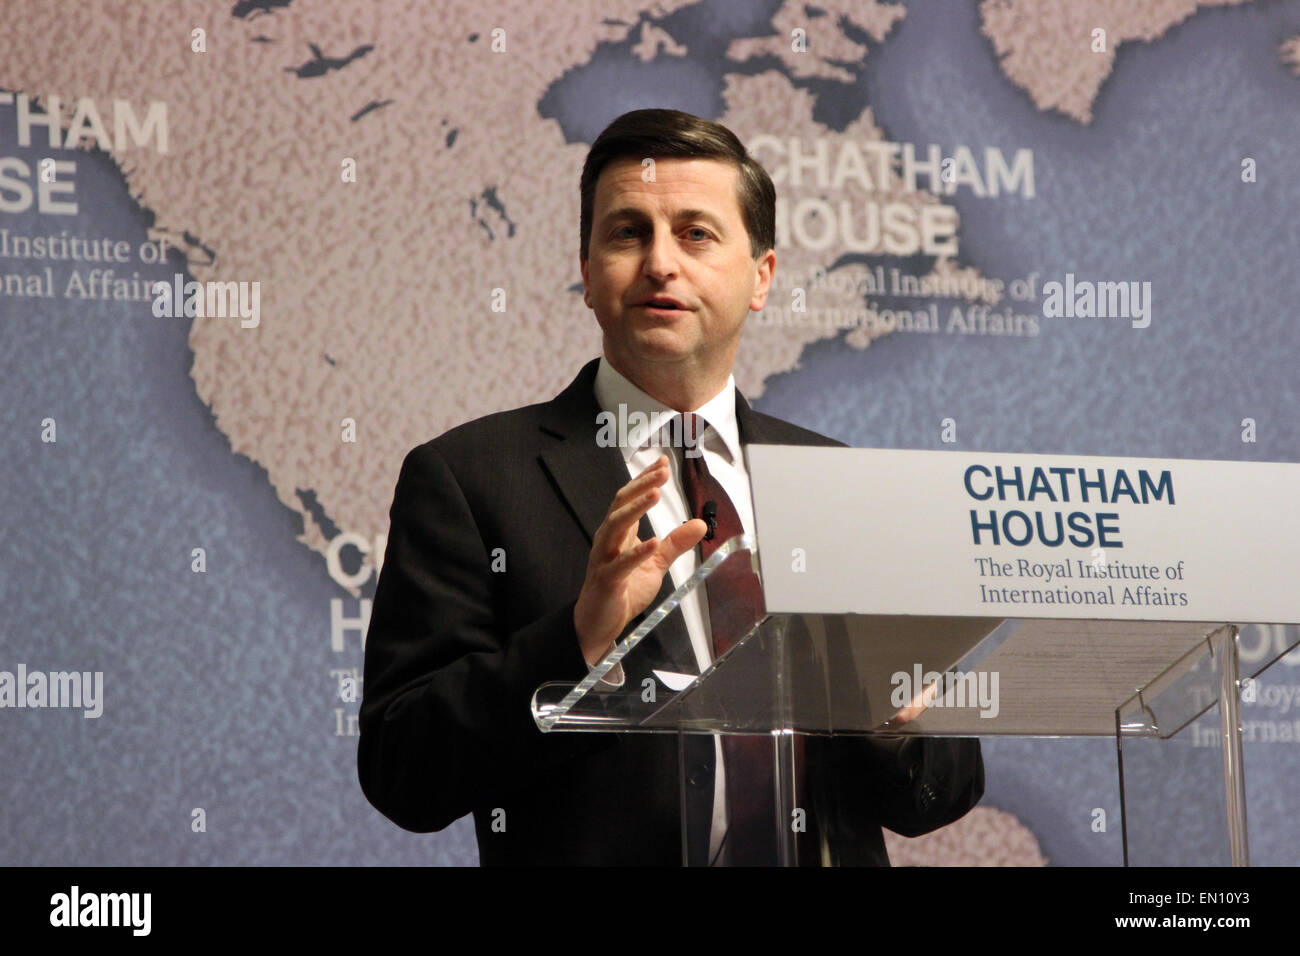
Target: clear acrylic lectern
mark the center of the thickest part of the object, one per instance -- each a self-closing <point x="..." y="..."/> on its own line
<point x="1140" y="682"/>
<point x="886" y="576"/>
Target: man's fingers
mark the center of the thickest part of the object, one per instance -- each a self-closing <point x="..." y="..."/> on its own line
<point x="666" y="551"/>
<point x="906" y="715"/>
<point x="612" y="535"/>
<point x="915" y="708"/>
<point x="657" y="464"/>
<point x="682" y="540"/>
<point x="632" y="501"/>
<point x="623" y="565"/>
<point x="653" y="476"/>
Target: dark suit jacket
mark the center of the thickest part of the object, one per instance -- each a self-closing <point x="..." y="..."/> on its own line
<point x="455" y="651"/>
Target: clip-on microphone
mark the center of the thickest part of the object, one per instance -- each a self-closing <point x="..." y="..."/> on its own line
<point x="710" y="517"/>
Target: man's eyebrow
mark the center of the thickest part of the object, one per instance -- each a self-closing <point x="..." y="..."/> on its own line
<point x="700" y="214"/>
<point x="633" y="213"/>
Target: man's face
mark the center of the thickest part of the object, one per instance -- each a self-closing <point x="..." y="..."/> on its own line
<point x="679" y="237"/>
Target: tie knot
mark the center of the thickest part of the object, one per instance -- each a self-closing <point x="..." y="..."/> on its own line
<point x="693" y="427"/>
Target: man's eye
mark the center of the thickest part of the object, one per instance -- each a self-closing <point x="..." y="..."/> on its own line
<point x="623" y="231"/>
<point x="703" y="233"/>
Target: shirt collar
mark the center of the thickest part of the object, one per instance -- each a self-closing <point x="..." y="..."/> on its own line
<point x="612" y="389"/>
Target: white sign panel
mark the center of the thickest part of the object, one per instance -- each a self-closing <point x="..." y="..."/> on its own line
<point x="880" y="531"/>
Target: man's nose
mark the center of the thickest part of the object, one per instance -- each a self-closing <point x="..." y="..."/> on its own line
<point x="661" y="255"/>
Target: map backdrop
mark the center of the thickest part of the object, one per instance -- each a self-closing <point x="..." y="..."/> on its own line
<point x="193" y="505"/>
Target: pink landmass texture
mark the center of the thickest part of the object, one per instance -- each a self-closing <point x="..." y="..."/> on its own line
<point x="1046" y="48"/>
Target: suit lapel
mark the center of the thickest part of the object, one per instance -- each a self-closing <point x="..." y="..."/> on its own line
<point x="748" y="424"/>
<point x="586" y="475"/>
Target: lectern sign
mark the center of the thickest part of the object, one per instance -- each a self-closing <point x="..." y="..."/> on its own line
<point x="878" y="531"/>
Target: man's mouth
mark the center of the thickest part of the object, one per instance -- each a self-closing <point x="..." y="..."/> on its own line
<point x="666" y="304"/>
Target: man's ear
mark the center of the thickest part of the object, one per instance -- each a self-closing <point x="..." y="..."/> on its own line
<point x="766" y="266"/>
<point x="586" y="289"/>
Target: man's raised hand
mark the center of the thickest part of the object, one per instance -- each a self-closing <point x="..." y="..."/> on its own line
<point x="625" y="573"/>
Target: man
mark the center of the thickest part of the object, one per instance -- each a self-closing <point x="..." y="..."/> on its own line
<point x="521" y="548"/>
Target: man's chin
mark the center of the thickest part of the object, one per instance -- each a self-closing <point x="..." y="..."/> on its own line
<point x="660" y="346"/>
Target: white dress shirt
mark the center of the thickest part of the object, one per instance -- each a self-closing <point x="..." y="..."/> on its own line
<point x="720" y="445"/>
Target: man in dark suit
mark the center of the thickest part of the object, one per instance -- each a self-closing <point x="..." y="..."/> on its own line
<point x="522" y="547"/>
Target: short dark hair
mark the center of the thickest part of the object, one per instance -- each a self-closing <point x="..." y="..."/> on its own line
<point x="663" y="134"/>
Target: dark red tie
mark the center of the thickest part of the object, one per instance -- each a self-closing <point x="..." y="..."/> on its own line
<point x="735" y="604"/>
